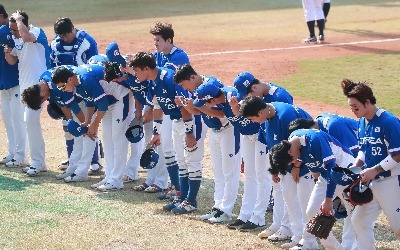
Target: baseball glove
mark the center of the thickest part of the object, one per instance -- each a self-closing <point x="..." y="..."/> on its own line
<point x="321" y="225"/>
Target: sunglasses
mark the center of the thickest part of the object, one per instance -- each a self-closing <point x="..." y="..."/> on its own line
<point x="62" y="87"/>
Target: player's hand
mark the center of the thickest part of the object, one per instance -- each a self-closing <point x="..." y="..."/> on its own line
<point x="368" y="174"/>
<point x="296" y="174"/>
<point x="180" y="101"/>
<point x="327" y="206"/>
<point x="17" y="16"/>
<point x="155" y="140"/>
<point x="7" y="49"/>
<point x="275" y="178"/>
<point x="148" y="116"/>
<point x="234" y="103"/>
<point x="92" y="131"/>
<point x="190" y="140"/>
<point x="316" y="175"/>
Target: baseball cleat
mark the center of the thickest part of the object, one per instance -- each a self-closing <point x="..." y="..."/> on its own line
<point x="14" y="164"/>
<point x="6" y="159"/>
<point x="63" y="165"/>
<point x="290" y="245"/>
<point x="95" y="168"/>
<point x="280" y="235"/>
<point x="220" y="217"/>
<point x="185" y="207"/>
<point x="108" y="186"/>
<point x="266" y="233"/>
<point x="211" y="213"/>
<point x="249" y="226"/>
<point x="172" y="205"/>
<point x="310" y="39"/>
<point x="95" y="186"/>
<point x="321" y="39"/>
<point x="170" y="192"/>
<point x="75" y="178"/>
<point x="236" y="224"/>
<point x="63" y="175"/>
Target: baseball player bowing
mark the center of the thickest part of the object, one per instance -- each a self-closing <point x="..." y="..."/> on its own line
<point x="210" y="95"/>
<point x="320" y="153"/>
<point x="223" y="143"/>
<point x="257" y="180"/>
<point x="35" y="95"/>
<point x="275" y="117"/>
<point x="379" y="138"/>
<point x="188" y="133"/>
<point x="87" y="81"/>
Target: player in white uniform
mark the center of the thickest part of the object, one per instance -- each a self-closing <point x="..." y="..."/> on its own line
<point x="72" y="46"/>
<point x="188" y="132"/>
<point x="379" y="138"/>
<point x="313" y="13"/>
<point x="87" y="81"/>
<point x="11" y="106"/>
<point x="223" y="143"/>
<point x="33" y="55"/>
<point x="257" y="178"/>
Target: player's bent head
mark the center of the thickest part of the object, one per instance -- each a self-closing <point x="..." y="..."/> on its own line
<point x="25" y="21"/>
<point x="142" y="60"/>
<point x="184" y="72"/>
<point x="61" y="75"/>
<point x="164" y="30"/>
<point x="3" y="11"/>
<point x="31" y="97"/>
<point x="111" y="71"/>
<point x="251" y="105"/>
<point x="63" y="25"/>
<point x="300" y="123"/>
<point x="358" y="90"/>
<point x="280" y="158"/>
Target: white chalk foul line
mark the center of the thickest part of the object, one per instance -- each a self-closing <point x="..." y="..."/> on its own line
<point x="296" y="47"/>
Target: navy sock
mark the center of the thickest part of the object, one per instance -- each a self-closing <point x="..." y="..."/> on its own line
<point x="70" y="146"/>
<point x="95" y="157"/>
<point x="184" y="182"/>
<point x="194" y="186"/>
<point x="173" y="172"/>
<point x="310" y="26"/>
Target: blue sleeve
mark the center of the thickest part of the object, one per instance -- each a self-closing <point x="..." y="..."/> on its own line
<point x="92" y="49"/>
<point x="331" y="184"/>
<point x="74" y="107"/>
<point x="102" y="104"/>
<point x="392" y="135"/>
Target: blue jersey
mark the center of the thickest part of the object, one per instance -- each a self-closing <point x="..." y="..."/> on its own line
<point x="344" y="129"/>
<point x="89" y="87"/>
<point x="243" y="125"/>
<point x="8" y="73"/>
<point x="77" y="52"/>
<point x="320" y="152"/>
<point x="175" y="58"/>
<point x="278" y="94"/>
<point x="165" y="90"/>
<point x="139" y="90"/>
<point x="276" y="128"/>
<point x="378" y="137"/>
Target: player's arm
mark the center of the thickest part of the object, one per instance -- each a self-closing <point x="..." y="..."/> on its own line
<point x="10" y="59"/>
<point x="234" y="103"/>
<point x="188" y="121"/>
<point x="211" y="112"/>
<point x="157" y="122"/>
<point x="23" y="30"/>
<point x="138" y="109"/>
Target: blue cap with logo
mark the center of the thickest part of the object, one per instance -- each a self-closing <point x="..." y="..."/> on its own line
<point x="113" y="54"/>
<point x="149" y="158"/>
<point x="75" y="129"/>
<point x="98" y="59"/>
<point x="242" y="83"/>
<point x="135" y="132"/>
<point x="204" y="93"/>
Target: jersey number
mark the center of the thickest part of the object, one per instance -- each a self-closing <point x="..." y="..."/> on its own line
<point x="376" y="151"/>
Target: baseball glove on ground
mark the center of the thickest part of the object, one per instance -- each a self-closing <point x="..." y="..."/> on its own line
<point x="321" y="225"/>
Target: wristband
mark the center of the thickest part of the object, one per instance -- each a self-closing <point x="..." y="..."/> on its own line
<point x="188" y="126"/>
<point x="388" y="163"/>
<point x="157" y="127"/>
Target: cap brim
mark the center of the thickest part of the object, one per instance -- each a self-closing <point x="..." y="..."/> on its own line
<point x="240" y="96"/>
<point x="198" y="103"/>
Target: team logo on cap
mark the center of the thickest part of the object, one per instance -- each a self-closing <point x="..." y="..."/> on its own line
<point x="205" y="98"/>
<point x="246" y="83"/>
<point x="116" y="52"/>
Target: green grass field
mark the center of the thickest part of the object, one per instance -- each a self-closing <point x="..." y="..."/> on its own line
<point x="42" y="213"/>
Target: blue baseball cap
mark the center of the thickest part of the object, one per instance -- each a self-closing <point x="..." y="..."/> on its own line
<point x="135" y="132"/>
<point x="75" y="129"/>
<point x="113" y="54"/>
<point x="149" y="158"/>
<point x="204" y="93"/>
<point x="6" y="36"/>
<point x="242" y="83"/>
<point x="98" y="59"/>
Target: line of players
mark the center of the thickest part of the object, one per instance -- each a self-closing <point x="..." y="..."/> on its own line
<point x="177" y="105"/>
